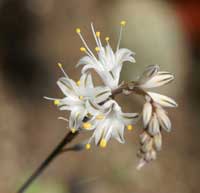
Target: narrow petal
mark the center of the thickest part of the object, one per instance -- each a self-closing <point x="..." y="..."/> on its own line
<point x="93" y="108"/>
<point x="154" y="125"/>
<point x="163" y="100"/>
<point x="98" y="134"/>
<point x="147" y="113"/>
<point x="158" y="141"/>
<point x="149" y="72"/>
<point x="86" y="81"/>
<point x="101" y="94"/>
<point x="163" y="120"/>
<point x="160" y="79"/>
<point x="65" y="86"/>
<point x="124" y="55"/>
<point x="129" y="118"/>
<point x="118" y="132"/>
<point x="86" y="60"/>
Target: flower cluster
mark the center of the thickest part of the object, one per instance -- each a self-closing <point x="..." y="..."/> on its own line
<point x="93" y="108"/>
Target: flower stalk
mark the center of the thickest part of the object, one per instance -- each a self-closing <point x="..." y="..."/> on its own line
<point x="57" y="151"/>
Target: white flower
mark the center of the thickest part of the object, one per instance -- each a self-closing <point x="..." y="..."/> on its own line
<point x="109" y="121"/>
<point x="109" y="63"/>
<point x="152" y="78"/>
<point x="76" y="95"/>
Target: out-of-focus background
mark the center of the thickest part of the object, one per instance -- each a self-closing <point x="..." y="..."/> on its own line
<point x="35" y="35"/>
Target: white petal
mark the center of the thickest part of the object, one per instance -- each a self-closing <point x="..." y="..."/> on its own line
<point x="66" y="86"/>
<point x="124" y="55"/>
<point x="101" y="94"/>
<point x="86" y="60"/>
<point x="129" y="118"/>
<point x="68" y="103"/>
<point x="164" y="120"/>
<point x="118" y="132"/>
<point x="147" y="113"/>
<point x="160" y="79"/>
<point x="149" y="72"/>
<point x="163" y="100"/>
<point x="98" y="134"/>
<point x="93" y="108"/>
<point x="158" y="141"/>
<point x="154" y="125"/>
<point x="76" y="118"/>
<point x="86" y="81"/>
<point x="110" y="57"/>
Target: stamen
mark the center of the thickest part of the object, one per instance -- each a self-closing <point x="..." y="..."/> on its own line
<point x="122" y="23"/>
<point x="78" y="83"/>
<point x="97" y="49"/>
<point x="98" y="34"/>
<point x="87" y="125"/>
<point x="73" y="130"/>
<point x="103" y="143"/>
<point x="130" y="127"/>
<point x="63" y="118"/>
<point x="82" y="49"/>
<point x="107" y="39"/>
<point x="94" y="34"/>
<point x="85" y="44"/>
<point x="61" y="67"/>
<point x="56" y="102"/>
<point x="78" y="30"/>
<point x="81" y="97"/>
<point x="87" y="146"/>
<point x="98" y="38"/>
<point x="99" y="117"/>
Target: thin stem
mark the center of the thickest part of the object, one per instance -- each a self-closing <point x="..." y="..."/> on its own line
<point x="58" y="149"/>
<point x="130" y="86"/>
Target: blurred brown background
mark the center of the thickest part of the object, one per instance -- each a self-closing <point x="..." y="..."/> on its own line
<point x="35" y="35"/>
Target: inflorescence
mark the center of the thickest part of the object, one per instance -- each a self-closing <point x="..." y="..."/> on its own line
<point x="94" y="109"/>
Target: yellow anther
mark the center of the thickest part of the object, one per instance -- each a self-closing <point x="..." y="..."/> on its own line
<point x="99" y="117"/>
<point x="82" y="49"/>
<point x="130" y="127"/>
<point x="73" y="130"/>
<point x="56" y="102"/>
<point x="87" y="146"/>
<point x="98" y="34"/>
<point x="59" y="65"/>
<point x="87" y="125"/>
<point x="78" y="83"/>
<point x="77" y="113"/>
<point x="103" y="143"/>
<point x="123" y="23"/>
<point x="107" y="39"/>
<point x="78" y="30"/>
<point x="97" y="49"/>
<point x="81" y="97"/>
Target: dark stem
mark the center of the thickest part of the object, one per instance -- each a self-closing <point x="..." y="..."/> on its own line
<point x="58" y="149"/>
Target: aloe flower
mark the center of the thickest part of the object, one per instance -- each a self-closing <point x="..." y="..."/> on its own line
<point x="75" y="96"/>
<point x="108" y="63"/>
<point x="109" y="122"/>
